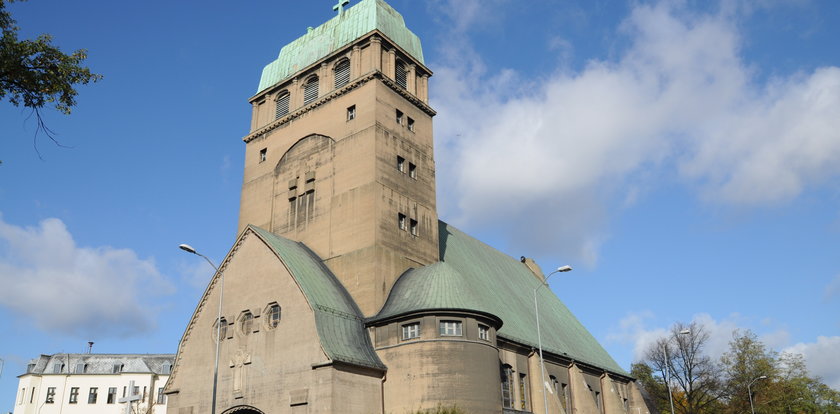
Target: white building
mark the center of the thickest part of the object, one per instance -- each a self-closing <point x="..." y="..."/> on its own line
<point x="94" y="383"/>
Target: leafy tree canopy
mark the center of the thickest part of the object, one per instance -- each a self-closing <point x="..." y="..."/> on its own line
<point x="34" y="73"/>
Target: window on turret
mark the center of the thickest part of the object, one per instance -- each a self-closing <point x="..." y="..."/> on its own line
<point x="263" y="154"/>
<point x="351" y="113"/>
<point x="310" y="90"/>
<point x="281" y="107"/>
<point x="410" y="124"/>
<point x="411" y="330"/>
<point x="399" y="117"/>
<point x="450" y="328"/>
<point x="342" y="73"/>
<point x="483" y="332"/>
<point x="400" y="164"/>
<point x="401" y="75"/>
<point x="413" y="227"/>
<point x="401" y="221"/>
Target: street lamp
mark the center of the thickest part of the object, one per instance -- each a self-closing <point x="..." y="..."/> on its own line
<point x="668" y="368"/>
<point x="749" y="391"/>
<point x="561" y="269"/>
<point x="187" y="248"/>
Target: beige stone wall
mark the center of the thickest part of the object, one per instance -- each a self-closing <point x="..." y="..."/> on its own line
<point x="267" y="368"/>
<point x="437" y="370"/>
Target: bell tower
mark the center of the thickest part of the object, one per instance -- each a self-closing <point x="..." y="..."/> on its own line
<point x="340" y="154"/>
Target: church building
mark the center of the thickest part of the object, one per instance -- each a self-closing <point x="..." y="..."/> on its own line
<point x="344" y="292"/>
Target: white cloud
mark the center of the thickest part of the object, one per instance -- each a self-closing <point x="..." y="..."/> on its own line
<point x="64" y="288"/>
<point x="821" y="358"/>
<point x="680" y="101"/>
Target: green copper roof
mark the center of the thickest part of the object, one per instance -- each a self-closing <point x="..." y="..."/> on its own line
<point x="338" y="32"/>
<point x="338" y="319"/>
<point x="493" y="282"/>
<point x="443" y="288"/>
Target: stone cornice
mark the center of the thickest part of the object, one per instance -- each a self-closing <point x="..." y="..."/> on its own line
<point x="288" y="118"/>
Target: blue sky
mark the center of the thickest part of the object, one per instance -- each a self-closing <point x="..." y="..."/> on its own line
<point x="683" y="156"/>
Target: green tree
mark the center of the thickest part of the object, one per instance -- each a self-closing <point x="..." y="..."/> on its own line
<point x="745" y="363"/>
<point x="34" y="73"/>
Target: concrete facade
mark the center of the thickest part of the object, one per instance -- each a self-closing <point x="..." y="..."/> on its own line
<point x="385" y="309"/>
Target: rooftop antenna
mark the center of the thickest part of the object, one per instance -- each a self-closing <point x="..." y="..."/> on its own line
<point x="90" y="347"/>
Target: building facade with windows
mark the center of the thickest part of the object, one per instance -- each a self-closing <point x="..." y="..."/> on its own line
<point x="94" y="383"/>
<point x="344" y="292"/>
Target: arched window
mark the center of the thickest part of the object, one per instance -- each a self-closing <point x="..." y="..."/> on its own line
<point x="272" y="315"/>
<point x="246" y="323"/>
<point x="401" y="75"/>
<point x="282" y="105"/>
<point x="310" y="90"/>
<point x="221" y="328"/>
<point x="342" y="73"/>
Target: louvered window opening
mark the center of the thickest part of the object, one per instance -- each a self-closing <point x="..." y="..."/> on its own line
<point x="402" y="76"/>
<point x="282" y="107"/>
<point x="342" y="74"/>
<point x="310" y="91"/>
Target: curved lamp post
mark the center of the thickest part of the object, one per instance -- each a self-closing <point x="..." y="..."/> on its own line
<point x="189" y="249"/>
<point x="749" y="391"/>
<point x="668" y="368"/>
<point x="539" y="338"/>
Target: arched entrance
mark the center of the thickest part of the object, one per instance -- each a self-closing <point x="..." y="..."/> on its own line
<point x="243" y="409"/>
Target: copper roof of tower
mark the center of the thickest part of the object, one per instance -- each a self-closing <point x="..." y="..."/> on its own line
<point x="338" y="32"/>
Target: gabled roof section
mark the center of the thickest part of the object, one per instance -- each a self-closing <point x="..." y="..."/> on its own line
<point x="476" y="276"/>
<point x="101" y="363"/>
<point x="340" y="31"/>
<point x="338" y="320"/>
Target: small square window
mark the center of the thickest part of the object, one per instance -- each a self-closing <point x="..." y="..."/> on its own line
<point x="411" y="331"/>
<point x="450" y="328"/>
<point x="483" y="333"/>
<point x="263" y="154"/>
<point x="400" y="164"/>
<point x="410" y="124"/>
<point x="351" y="113"/>
<point x="412" y="171"/>
<point x="413" y="227"/>
<point x="400" y="117"/>
<point x="401" y="221"/>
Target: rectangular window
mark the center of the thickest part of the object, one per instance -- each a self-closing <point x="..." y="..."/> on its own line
<point x="450" y="328"/>
<point x="566" y="396"/>
<point x="400" y="117"/>
<point x="50" y="395"/>
<point x="112" y="395"/>
<point x="22" y="396"/>
<point x="523" y="392"/>
<point x="92" y="395"/>
<point x="80" y="368"/>
<point x="401" y="221"/>
<point x="32" y="396"/>
<point x="410" y="124"/>
<point x="411" y="330"/>
<point x="281" y="106"/>
<point x="263" y="154"/>
<point x="74" y="395"/>
<point x="412" y="171"/>
<point x="413" y="227"/>
<point x="598" y="401"/>
<point x="482" y="333"/>
<point x="351" y="113"/>
<point x="400" y="164"/>
<point x="507" y="379"/>
<point x="117" y="368"/>
<point x="161" y="397"/>
<point x="57" y="368"/>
